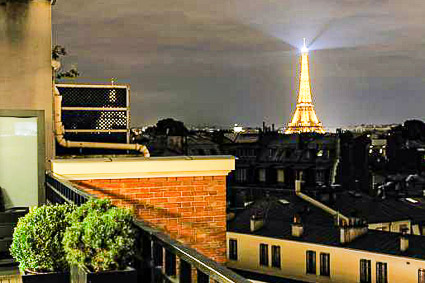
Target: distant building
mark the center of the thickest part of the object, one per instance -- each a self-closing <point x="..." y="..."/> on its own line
<point x="371" y="128"/>
<point x="290" y="238"/>
<point x="270" y="163"/>
<point x="406" y="148"/>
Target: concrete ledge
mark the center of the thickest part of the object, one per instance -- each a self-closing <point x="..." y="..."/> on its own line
<point x="139" y="167"/>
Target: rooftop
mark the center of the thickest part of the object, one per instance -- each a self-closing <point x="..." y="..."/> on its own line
<point x="376" y="210"/>
<point x="319" y="229"/>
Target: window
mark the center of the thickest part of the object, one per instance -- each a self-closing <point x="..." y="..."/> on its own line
<point x="365" y="271"/>
<point x="421" y="275"/>
<point x="311" y="262"/>
<point x="325" y="264"/>
<point x="20" y="140"/>
<point x="381" y="272"/>
<point x="264" y="254"/>
<point x="233" y="249"/>
<point x="403" y="227"/>
<point x="308" y="154"/>
<point x="320" y="176"/>
<point x="281" y="176"/>
<point x="241" y="174"/>
<point x="262" y="175"/>
<point x="276" y="256"/>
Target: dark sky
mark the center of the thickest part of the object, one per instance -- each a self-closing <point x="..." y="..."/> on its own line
<point x="222" y="62"/>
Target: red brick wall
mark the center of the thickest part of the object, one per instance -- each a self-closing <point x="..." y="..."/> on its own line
<point x="190" y="209"/>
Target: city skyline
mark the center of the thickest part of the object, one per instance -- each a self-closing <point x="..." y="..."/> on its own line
<point x="237" y="62"/>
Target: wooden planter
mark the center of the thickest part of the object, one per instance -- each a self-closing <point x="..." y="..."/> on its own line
<point x="82" y="275"/>
<point x="53" y="277"/>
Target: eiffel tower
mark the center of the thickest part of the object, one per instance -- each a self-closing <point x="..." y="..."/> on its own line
<point x="304" y="119"/>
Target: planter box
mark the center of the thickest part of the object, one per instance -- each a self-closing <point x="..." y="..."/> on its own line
<point x="82" y="275"/>
<point x="54" y="277"/>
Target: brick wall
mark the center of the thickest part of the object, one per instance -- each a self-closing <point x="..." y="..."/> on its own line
<point x="189" y="209"/>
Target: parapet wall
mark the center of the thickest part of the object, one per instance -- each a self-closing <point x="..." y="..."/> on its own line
<point x="191" y="209"/>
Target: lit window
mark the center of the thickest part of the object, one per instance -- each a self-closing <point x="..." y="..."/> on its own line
<point x="264" y="254"/>
<point x="411" y="200"/>
<point x="311" y="262"/>
<point x="281" y="176"/>
<point x="325" y="264"/>
<point x="365" y="271"/>
<point x="233" y="249"/>
<point x="262" y="175"/>
<point x="381" y="272"/>
<point x="320" y="153"/>
<point x="276" y="256"/>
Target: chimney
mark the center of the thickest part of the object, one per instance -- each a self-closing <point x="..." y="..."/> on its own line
<point x="297" y="227"/>
<point x="404" y="241"/>
<point x="257" y="222"/>
<point x="348" y="233"/>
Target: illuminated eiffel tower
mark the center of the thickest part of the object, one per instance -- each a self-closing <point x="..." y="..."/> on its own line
<point x="304" y="119"/>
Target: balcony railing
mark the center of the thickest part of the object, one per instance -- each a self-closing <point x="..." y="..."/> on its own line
<point x="158" y="257"/>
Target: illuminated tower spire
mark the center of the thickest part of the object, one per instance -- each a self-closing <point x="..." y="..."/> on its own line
<point x="305" y="118"/>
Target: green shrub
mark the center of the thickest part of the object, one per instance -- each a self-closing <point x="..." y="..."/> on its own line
<point x="100" y="205"/>
<point x="100" y="238"/>
<point x="37" y="239"/>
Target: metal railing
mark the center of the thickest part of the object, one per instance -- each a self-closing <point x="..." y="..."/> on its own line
<point x="159" y="258"/>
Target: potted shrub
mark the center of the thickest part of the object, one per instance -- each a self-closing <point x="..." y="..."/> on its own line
<point x="100" y="243"/>
<point x="37" y="244"/>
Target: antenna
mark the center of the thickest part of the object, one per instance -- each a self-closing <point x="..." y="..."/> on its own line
<point x="304" y="49"/>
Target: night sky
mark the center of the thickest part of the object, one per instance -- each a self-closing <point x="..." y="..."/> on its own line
<point x="222" y="62"/>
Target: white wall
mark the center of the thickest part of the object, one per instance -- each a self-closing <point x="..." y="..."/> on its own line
<point x="25" y="52"/>
<point x="344" y="262"/>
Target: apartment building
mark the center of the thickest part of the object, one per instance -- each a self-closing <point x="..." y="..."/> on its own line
<point x="296" y="241"/>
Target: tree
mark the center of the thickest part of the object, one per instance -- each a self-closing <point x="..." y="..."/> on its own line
<point x="57" y="52"/>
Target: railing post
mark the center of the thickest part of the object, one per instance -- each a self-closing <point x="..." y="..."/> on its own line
<point x="202" y="277"/>
<point x="157" y="254"/>
<point x="185" y="272"/>
<point x="157" y="262"/>
<point x="170" y="263"/>
<point x="146" y="257"/>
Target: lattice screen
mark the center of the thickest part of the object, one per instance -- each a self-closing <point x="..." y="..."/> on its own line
<point x="96" y="113"/>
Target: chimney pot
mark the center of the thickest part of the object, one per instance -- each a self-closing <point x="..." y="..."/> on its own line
<point x="404" y="241"/>
<point x="256" y="223"/>
<point x="297" y="228"/>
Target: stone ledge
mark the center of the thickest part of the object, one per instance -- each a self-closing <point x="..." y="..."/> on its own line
<point x="139" y="167"/>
